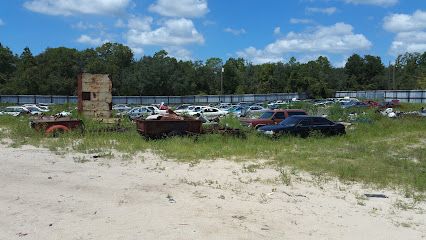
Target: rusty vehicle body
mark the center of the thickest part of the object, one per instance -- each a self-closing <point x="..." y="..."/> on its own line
<point x="168" y="127"/>
<point x="53" y="125"/>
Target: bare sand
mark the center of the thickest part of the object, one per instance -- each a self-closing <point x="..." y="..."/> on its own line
<point x="75" y="196"/>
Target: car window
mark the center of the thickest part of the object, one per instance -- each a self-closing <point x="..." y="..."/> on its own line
<point x="291" y="121"/>
<point x="295" y="113"/>
<point x="305" y="122"/>
<point x="279" y="115"/>
<point x="267" y="115"/>
<point x="321" y="121"/>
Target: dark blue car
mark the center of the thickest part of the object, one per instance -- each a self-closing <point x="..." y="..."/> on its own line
<point x="303" y="126"/>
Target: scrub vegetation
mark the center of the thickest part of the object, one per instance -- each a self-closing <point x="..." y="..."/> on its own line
<point x="376" y="150"/>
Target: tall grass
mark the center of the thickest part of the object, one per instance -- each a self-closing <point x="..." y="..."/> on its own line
<point x="381" y="151"/>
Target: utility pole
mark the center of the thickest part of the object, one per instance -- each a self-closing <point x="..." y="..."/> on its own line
<point x="221" y="80"/>
<point x="394" y="83"/>
<point x="389" y="76"/>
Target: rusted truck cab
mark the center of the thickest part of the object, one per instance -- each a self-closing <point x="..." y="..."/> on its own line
<point x="272" y="117"/>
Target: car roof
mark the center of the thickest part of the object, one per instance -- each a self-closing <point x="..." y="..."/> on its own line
<point x="305" y="116"/>
<point x="288" y="110"/>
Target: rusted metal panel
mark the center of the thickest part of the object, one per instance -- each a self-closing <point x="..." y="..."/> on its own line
<point x="94" y="95"/>
<point x="41" y="124"/>
<point x="160" y="128"/>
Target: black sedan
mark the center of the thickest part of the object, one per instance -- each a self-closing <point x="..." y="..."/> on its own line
<point x="303" y="126"/>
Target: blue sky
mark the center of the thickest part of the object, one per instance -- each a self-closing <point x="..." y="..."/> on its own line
<point x="258" y="30"/>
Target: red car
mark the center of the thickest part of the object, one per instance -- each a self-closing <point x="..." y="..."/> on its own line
<point x="272" y="117"/>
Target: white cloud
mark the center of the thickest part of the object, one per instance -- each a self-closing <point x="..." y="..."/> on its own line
<point x="410" y="32"/>
<point x="85" y="39"/>
<point x="72" y="7"/>
<point x="180" y="8"/>
<point x="409" y="42"/>
<point x="236" y="32"/>
<point x="140" y="24"/>
<point x="179" y="53"/>
<point x="277" y="30"/>
<point x="120" y="23"/>
<point x="384" y="3"/>
<point x="85" y="26"/>
<point x="300" y="21"/>
<point x="404" y="22"/>
<point x="137" y="51"/>
<point x="259" y="56"/>
<point x="342" y="63"/>
<point x="208" y="23"/>
<point x="1" y="22"/>
<point x="336" y="39"/>
<point x="172" y="32"/>
<point x="328" y="11"/>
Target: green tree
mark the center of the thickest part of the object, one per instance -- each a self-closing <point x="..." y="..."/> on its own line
<point x="7" y="66"/>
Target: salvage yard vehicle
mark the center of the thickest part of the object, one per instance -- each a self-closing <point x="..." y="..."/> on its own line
<point x="34" y="110"/>
<point x="210" y="113"/>
<point x="182" y="107"/>
<point x="303" y="126"/>
<point x="139" y="112"/>
<point x="15" y="111"/>
<point x="170" y="124"/>
<point x="54" y="126"/>
<point x="237" y="111"/>
<point x="255" y="109"/>
<point x="354" y="104"/>
<point x="36" y="107"/>
<point x="272" y="117"/>
<point x="121" y="108"/>
<point x="156" y="110"/>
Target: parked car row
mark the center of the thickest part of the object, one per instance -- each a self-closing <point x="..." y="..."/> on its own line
<point x="32" y="109"/>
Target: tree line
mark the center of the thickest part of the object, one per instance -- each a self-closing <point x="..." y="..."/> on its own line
<point x="54" y="71"/>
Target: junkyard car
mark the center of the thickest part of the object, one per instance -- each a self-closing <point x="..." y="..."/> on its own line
<point x="121" y="107"/>
<point x="272" y="117"/>
<point x="139" y="112"/>
<point x="303" y="126"/>
<point x="15" y="111"/>
<point x="211" y="113"/>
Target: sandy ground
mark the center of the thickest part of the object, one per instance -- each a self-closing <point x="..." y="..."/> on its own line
<point x="75" y="196"/>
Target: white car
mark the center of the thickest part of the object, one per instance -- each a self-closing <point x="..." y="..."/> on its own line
<point x="224" y="106"/>
<point x="156" y="110"/>
<point x="121" y="108"/>
<point x="36" y="108"/>
<point x="191" y="110"/>
<point x="255" y="109"/>
<point x="138" y="112"/>
<point x="210" y="112"/>
<point x="15" y="111"/>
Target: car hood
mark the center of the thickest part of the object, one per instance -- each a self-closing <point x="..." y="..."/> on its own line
<point x="274" y="127"/>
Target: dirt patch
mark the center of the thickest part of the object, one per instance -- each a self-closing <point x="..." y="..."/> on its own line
<point x="79" y="196"/>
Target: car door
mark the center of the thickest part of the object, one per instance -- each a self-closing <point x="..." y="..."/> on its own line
<point x="208" y="113"/>
<point x="304" y="127"/>
<point x="214" y="112"/>
<point x="278" y="117"/>
<point x="323" y="125"/>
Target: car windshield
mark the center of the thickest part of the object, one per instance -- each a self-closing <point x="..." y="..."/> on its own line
<point x="290" y="121"/>
<point x="267" y="115"/>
